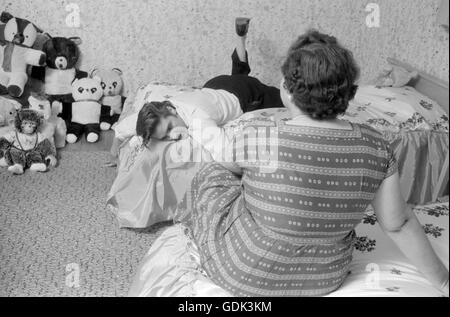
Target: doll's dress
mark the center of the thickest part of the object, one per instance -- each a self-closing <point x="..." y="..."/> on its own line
<point x="18" y="155"/>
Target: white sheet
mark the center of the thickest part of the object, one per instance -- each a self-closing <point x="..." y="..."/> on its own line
<point x="172" y="265"/>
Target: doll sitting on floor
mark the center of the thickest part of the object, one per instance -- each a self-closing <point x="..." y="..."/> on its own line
<point x="25" y="147"/>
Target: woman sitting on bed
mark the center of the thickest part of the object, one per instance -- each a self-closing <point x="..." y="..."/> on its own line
<point x="291" y="232"/>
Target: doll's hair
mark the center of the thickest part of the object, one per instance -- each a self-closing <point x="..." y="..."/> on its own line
<point x="26" y="115"/>
<point x="149" y="117"/>
<point x="320" y="75"/>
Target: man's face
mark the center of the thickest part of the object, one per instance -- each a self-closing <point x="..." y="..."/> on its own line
<point x="165" y="125"/>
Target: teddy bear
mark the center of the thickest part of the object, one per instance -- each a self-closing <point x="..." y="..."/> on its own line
<point x="112" y="100"/>
<point x="54" y="127"/>
<point x="86" y="110"/>
<point x="25" y="146"/>
<point x="395" y="76"/>
<point x="17" y="37"/>
<point x="62" y="56"/>
<point x="8" y="110"/>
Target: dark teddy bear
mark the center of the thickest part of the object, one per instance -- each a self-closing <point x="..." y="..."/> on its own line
<point x="62" y="57"/>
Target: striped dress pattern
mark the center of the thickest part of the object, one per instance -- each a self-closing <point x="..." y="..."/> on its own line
<point x="288" y="232"/>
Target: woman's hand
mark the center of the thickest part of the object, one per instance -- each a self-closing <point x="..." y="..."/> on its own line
<point x="444" y="288"/>
<point x="400" y="223"/>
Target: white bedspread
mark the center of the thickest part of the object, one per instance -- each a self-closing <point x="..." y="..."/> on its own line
<point x="172" y="265"/>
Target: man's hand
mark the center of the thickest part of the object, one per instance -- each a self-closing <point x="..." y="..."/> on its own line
<point x="178" y="133"/>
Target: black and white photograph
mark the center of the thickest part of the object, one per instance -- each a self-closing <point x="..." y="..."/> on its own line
<point x="237" y="151"/>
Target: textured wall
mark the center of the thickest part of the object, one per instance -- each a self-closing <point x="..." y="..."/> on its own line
<point x="189" y="41"/>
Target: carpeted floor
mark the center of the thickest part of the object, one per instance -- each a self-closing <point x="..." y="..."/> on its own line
<point x="53" y="223"/>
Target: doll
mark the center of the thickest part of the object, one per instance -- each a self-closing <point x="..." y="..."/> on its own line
<point x="26" y="147"/>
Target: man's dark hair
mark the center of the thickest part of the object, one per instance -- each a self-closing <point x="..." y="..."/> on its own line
<point x="149" y="117"/>
<point x="320" y="74"/>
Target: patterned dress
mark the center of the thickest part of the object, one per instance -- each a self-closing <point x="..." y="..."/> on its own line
<point x="289" y="231"/>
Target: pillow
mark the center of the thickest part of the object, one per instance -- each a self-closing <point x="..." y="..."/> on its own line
<point x="156" y="91"/>
<point x="395" y="109"/>
<point x="151" y="182"/>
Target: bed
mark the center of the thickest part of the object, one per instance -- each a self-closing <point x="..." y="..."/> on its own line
<point x="150" y="184"/>
<point x="414" y="119"/>
<point x="172" y="268"/>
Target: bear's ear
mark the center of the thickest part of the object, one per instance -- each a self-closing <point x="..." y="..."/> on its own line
<point x="39" y="30"/>
<point x="48" y="45"/>
<point x="6" y="16"/>
<point x="47" y="35"/>
<point x="118" y="71"/>
<point x="93" y="72"/>
<point x="18" y="106"/>
<point x="97" y="78"/>
<point x="76" y="40"/>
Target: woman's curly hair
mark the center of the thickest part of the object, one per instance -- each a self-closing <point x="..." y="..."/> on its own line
<point x="26" y="115"/>
<point x="149" y="117"/>
<point x="320" y="75"/>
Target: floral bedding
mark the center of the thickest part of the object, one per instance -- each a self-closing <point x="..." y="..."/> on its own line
<point x="395" y="109"/>
<point x="139" y="201"/>
<point x="172" y="265"/>
<point x="383" y="108"/>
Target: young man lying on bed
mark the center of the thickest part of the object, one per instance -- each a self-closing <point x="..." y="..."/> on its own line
<point x="222" y="99"/>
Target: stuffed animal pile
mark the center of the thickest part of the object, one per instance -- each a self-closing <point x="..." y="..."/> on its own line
<point x="68" y="102"/>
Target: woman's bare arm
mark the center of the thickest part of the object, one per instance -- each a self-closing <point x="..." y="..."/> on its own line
<point x="399" y="222"/>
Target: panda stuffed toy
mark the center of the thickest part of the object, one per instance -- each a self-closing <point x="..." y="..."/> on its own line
<point x="62" y="56"/>
<point x="86" y="109"/>
<point x="17" y="37"/>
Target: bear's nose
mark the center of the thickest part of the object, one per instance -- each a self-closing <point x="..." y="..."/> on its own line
<point x="18" y="38"/>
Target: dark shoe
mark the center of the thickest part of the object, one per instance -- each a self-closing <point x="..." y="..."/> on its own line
<point x="242" y="26"/>
<point x="3" y="90"/>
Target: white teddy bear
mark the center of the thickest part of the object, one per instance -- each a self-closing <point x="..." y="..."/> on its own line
<point x="54" y="127"/>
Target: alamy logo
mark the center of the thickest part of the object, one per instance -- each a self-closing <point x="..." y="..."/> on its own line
<point x="249" y="145"/>
<point x="373" y="278"/>
<point x="373" y="18"/>
<point x="73" y="278"/>
<point x="73" y="18"/>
